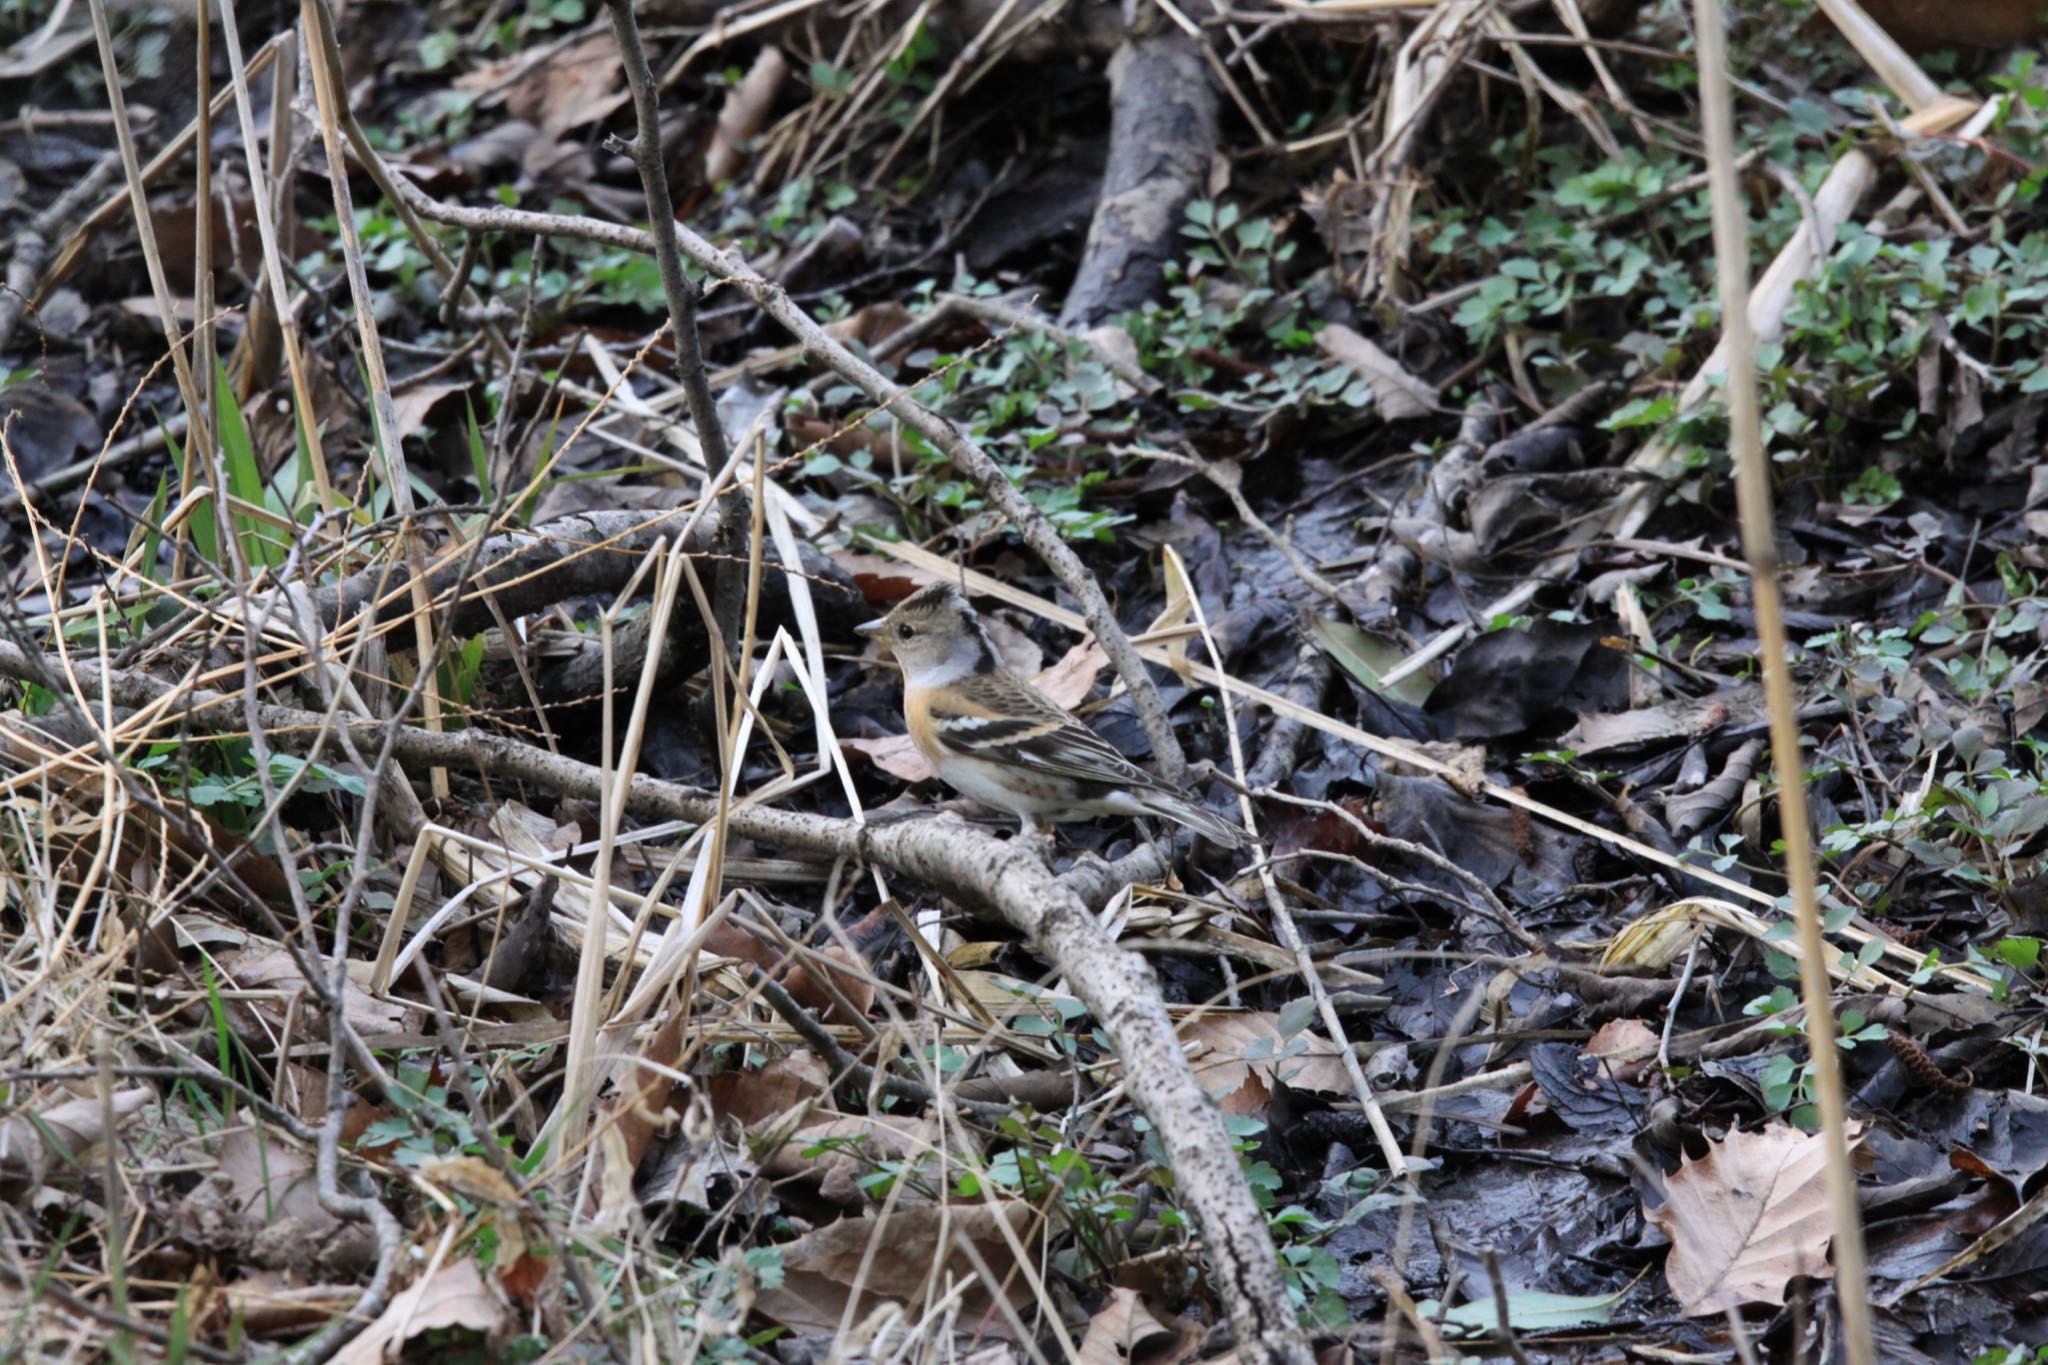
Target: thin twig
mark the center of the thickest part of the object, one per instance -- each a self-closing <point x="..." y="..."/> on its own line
<point x="1504" y="1330"/>
<point x="681" y="292"/>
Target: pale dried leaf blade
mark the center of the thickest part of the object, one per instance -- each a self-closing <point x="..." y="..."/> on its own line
<point x="26" y="1144"/>
<point x="274" y="969"/>
<point x="1072" y="677"/>
<point x="454" y="1296"/>
<point x="1396" y="394"/>
<point x="893" y="754"/>
<point x="1123" y="1331"/>
<point x="1180" y="603"/>
<point x="1745" y="1219"/>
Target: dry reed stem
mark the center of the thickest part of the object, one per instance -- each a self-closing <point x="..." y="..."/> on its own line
<point x="261" y="194"/>
<point x="1759" y="541"/>
<point x="330" y="98"/>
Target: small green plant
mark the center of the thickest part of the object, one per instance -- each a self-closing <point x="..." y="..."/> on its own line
<point x="2012" y="1355"/>
<point x="423" y="1127"/>
<point x="1786" y="1082"/>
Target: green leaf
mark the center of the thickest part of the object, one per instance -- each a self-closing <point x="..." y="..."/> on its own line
<point x="205" y="526"/>
<point x="1365" y="657"/>
<point x="153" y="528"/>
<point x="438" y="49"/>
<point x="1297" y="1015"/>
<point x="479" y="455"/>
<point x="2023" y="953"/>
<point x="245" y="475"/>
<point x="1530" y="1310"/>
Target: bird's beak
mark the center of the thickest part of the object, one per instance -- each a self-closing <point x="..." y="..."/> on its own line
<point x="870" y="630"/>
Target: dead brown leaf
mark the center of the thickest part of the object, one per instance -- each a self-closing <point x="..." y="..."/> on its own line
<point x="869" y="324"/>
<point x="1682" y="717"/>
<point x="414" y="403"/>
<point x="267" y="967"/>
<point x="804" y="978"/>
<point x="519" y="1272"/>
<point x="838" y="1169"/>
<point x="266" y="1303"/>
<point x="557" y="88"/>
<point x="1244" y="1054"/>
<point x="915" y="1251"/>
<point x="62" y="1132"/>
<point x="274" y="1185"/>
<point x="754" y="1097"/>
<point x="642" y="1106"/>
<point x="1745" y="1218"/>
<point x="1623" y="1035"/>
<point x="1125" y="1330"/>
<point x="882" y="580"/>
<point x="455" y="1296"/>
<point x="1072" y="678"/>
<point x="747" y="106"/>
<point x="1396" y="394"/>
<point x="895" y="755"/>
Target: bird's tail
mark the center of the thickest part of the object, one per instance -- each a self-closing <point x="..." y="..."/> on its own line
<point x="1213" y="827"/>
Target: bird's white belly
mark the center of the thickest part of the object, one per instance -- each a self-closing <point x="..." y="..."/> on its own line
<point x="1024" y="793"/>
<point x="994" y="785"/>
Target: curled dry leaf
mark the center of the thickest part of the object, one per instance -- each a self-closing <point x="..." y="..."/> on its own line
<point x="914" y="1251"/>
<point x="557" y="87"/>
<point x="1745" y="1218"/>
<point x="867" y="325"/>
<point x="455" y="1296"/>
<point x="1681" y="718"/>
<point x="273" y="1186"/>
<point x="1630" y="1036"/>
<point x="783" y="1083"/>
<point x="1654" y="941"/>
<point x="1691" y="813"/>
<point x="881" y="579"/>
<point x="519" y="1271"/>
<point x="646" y="1092"/>
<point x="1125" y="1330"/>
<point x="272" y="968"/>
<point x="266" y="1303"/>
<point x="747" y="106"/>
<point x="1244" y="1054"/>
<point x="1396" y="394"/>
<point x="894" y="755"/>
<point x="806" y="978"/>
<point x="62" y="1132"/>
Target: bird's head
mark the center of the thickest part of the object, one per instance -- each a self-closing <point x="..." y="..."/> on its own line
<point x="934" y="636"/>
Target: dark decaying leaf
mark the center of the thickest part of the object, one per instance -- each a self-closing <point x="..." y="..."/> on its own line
<point x="1507" y="682"/>
<point x="1585" y="1092"/>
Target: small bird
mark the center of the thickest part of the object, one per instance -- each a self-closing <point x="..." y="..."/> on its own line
<point x="992" y="736"/>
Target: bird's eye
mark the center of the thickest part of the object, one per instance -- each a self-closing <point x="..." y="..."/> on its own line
<point x="904" y="632"/>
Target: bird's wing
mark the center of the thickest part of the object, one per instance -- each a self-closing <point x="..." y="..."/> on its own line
<point x="1000" y="718"/>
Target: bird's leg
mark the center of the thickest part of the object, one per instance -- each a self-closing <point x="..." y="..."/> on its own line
<point x="1036" y="832"/>
<point x="1160" y="846"/>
